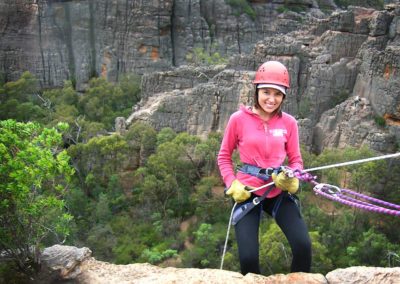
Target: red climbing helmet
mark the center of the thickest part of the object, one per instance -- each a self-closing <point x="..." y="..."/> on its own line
<point x="272" y="72"/>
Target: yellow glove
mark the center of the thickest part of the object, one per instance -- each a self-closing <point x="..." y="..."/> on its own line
<point x="286" y="183"/>
<point x="238" y="191"/>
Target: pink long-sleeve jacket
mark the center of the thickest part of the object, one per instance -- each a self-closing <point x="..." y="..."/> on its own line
<point x="260" y="143"/>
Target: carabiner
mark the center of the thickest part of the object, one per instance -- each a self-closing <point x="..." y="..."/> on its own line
<point x="327" y="188"/>
<point x="256" y="201"/>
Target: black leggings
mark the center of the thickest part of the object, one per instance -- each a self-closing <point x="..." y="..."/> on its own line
<point x="289" y="219"/>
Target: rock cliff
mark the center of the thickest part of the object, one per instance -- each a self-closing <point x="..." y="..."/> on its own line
<point x="77" y="39"/>
<point x="74" y="265"/>
<point x="332" y="58"/>
<point x="344" y="83"/>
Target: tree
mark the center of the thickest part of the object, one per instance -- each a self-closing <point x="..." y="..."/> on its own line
<point x="19" y="99"/>
<point x="371" y="249"/>
<point x="169" y="175"/>
<point x="276" y="256"/>
<point x="208" y="151"/>
<point x="130" y="86"/>
<point x="205" y="252"/>
<point x="103" y="101"/>
<point x="98" y="159"/>
<point x="142" y="140"/>
<point x="34" y="174"/>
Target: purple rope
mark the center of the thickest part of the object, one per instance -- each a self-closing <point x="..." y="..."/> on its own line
<point x="350" y="201"/>
<point x="385" y="203"/>
<point x="349" y="198"/>
<point x="357" y="205"/>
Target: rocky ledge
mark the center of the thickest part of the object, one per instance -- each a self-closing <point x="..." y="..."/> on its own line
<point x="76" y="265"/>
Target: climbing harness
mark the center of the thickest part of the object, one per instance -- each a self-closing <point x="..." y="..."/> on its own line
<point x="261" y="173"/>
<point x="245" y="208"/>
<point x="344" y="196"/>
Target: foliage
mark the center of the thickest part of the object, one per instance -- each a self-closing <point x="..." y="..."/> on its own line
<point x="274" y="250"/>
<point x="371" y="248"/>
<point x="154" y="256"/>
<point x="208" y="150"/>
<point x="165" y="135"/>
<point x="380" y="121"/>
<point x="131" y="191"/>
<point x="22" y="89"/>
<point x="242" y="6"/>
<point x="199" y="56"/>
<point x="377" y="4"/>
<point x="341" y="227"/>
<point x="142" y="140"/>
<point x="19" y="100"/>
<point x="322" y="262"/>
<point x="35" y="173"/>
<point x="130" y="86"/>
<point x="287" y="6"/>
<point x="211" y="207"/>
<point x="340" y="95"/>
<point x="169" y="174"/>
<point x="207" y="241"/>
<point x="103" y="102"/>
<point x="99" y="159"/>
<point x="88" y="113"/>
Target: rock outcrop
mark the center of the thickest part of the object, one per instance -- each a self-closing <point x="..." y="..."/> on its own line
<point x="352" y="123"/>
<point x="352" y="54"/>
<point x="64" y="263"/>
<point x="331" y="59"/>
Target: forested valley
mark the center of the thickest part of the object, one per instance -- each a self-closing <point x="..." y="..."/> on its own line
<point x="156" y="196"/>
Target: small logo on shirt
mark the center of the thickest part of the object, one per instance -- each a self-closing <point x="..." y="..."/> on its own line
<point x="278" y="132"/>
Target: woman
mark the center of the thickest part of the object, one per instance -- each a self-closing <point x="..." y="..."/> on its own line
<point x="264" y="137"/>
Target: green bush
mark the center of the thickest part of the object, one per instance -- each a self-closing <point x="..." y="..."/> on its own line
<point x="242" y="6"/>
<point x="380" y="121"/>
<point x="34" y="174"/>
<point x="201" y="57"/>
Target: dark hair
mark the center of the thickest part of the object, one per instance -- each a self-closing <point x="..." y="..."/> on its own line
<point x="257" y="105"/>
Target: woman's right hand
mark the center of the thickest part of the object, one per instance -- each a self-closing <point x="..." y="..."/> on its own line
<point x="238" y="191"/>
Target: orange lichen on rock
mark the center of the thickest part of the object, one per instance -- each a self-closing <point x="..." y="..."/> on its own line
<point x="154" y="53"/>
<point x="391" y="119"/>
<point x="387" y="72"/>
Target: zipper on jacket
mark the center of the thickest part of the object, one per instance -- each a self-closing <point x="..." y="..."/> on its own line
<point x="265" y="124"/>
<point x="266" y="137"/>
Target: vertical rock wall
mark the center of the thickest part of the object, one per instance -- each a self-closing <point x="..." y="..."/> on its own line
<point x="333" y="63"/>
<point x="59" y="40"/>
<point x="77" y="39"/>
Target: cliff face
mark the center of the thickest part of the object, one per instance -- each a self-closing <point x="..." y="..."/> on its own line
<point x="332" y="59"/>
<point x="344" y="78"/>
<point x="77" y="39"/>
<point x="59" y="40"/>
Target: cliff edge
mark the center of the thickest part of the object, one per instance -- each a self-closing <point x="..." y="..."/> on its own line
<point x="76" y="265"/>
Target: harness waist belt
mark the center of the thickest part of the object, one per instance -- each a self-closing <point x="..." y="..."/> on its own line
<point x="261" y="173"/>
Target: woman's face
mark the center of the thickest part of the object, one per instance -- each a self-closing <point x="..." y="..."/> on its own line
<point x="269" y="99"/>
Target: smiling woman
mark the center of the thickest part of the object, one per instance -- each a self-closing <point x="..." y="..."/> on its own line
<point x="269" y="100"/>
<point x="265" y="136"/>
